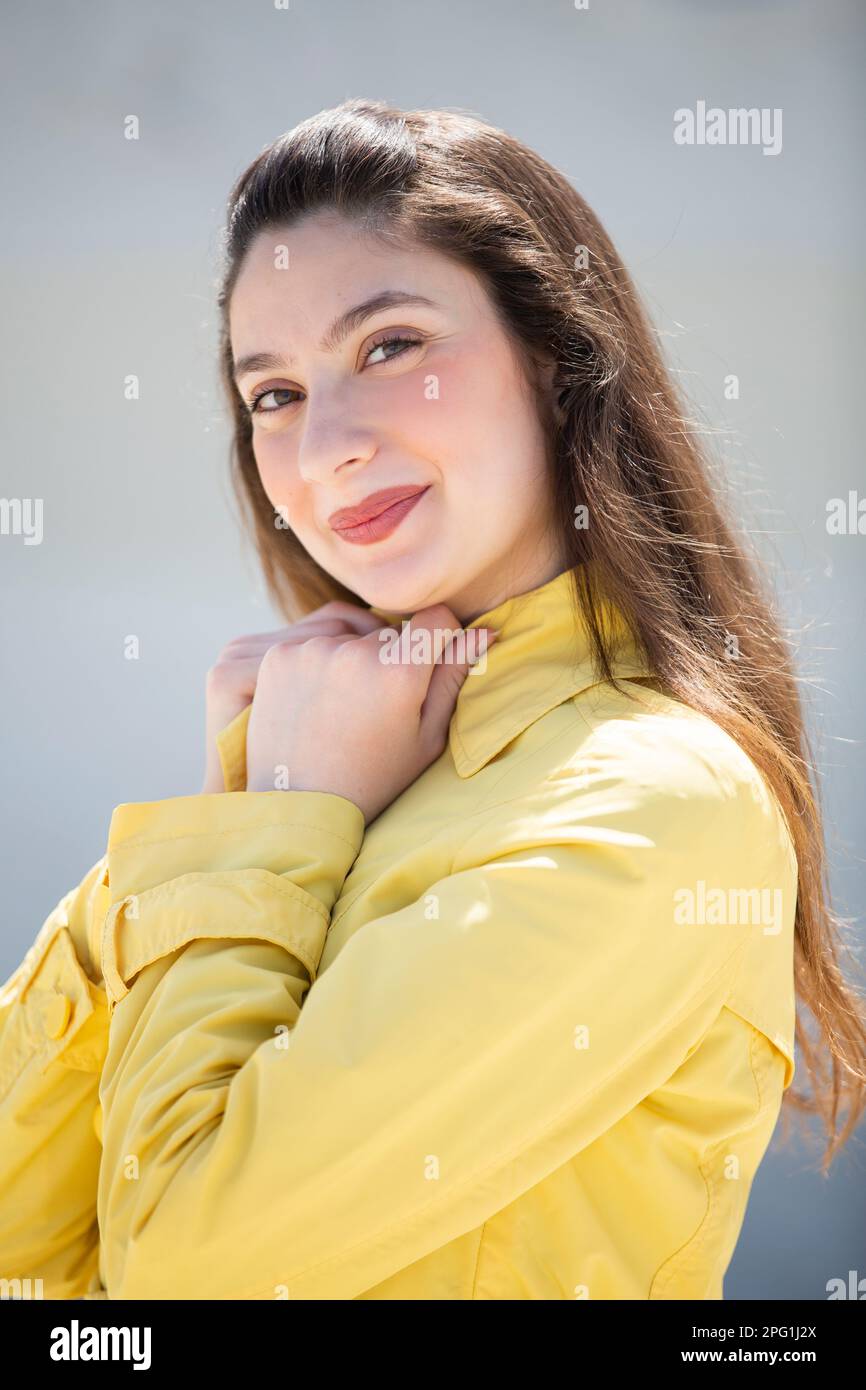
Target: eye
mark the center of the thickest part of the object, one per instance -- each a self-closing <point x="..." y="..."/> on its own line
<point x="255" y="407"/>
<point x="401" y="340"/>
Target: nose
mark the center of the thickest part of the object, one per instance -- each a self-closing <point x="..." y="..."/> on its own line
<point x="332" y="439"/>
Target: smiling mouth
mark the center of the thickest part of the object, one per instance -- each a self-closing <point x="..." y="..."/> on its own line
<point x="382" y="524"/>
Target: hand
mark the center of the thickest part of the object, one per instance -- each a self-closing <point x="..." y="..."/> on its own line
<point x="338" y="718"/>
<point x="231" y="682"/>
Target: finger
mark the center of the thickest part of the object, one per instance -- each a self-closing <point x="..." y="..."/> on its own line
<point x="259" y="643"/>
<point x="359" y="623"/>
<point x="360" y="619"/>
<point x="448" y="678"/>
<point x="237" y="676"/>
<point x="441" y="626"/>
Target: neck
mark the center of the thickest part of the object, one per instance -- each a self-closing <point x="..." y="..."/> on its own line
<point x="489" y="589"/>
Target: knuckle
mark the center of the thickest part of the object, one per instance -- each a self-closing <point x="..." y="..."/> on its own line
<point x="276" y="658"/>
<point x="354" y="649"/>
<point x="219" y="676"/>
<point x="314" y="645"/>
<point x="280" y="652"/>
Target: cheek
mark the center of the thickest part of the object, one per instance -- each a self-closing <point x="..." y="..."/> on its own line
<point x="278" y="474"/>
<point x="481" y="429"/>
<point x="436" y="413"/>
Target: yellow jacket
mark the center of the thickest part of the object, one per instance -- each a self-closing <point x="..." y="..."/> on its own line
<point x="524" y="1038"/>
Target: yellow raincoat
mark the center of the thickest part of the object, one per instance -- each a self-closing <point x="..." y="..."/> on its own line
<point x="525" y="1037"/>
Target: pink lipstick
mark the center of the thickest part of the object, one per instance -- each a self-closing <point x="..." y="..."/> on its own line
<point x="377" y="515"/>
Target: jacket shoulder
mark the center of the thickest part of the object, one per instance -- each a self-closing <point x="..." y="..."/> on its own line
<point x="638" y="758"/>
<point x="646" y="735"/>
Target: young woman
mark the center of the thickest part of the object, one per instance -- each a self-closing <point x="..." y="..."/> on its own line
<point x="460" y="979"/>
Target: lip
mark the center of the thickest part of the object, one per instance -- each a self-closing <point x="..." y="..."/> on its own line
<point x="372" y="505"/>
<point x="377" y="515"/>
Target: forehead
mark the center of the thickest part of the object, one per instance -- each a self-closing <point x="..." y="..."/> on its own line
<point x="305" y="274"/>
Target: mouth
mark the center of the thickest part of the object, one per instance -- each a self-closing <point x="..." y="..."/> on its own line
<point x="377" y="516"/>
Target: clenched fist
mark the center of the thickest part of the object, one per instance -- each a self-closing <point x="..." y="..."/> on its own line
<point x="331" y="714"/>
<point x="231" y="682"/>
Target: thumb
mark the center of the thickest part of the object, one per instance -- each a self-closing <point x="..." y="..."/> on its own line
<point x="448" y="676"/>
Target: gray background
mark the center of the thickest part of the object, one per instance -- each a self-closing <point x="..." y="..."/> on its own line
<point x="750" y="264"/>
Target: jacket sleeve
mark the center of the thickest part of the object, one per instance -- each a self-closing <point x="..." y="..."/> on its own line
<point x="53" y="1040"/>
<point x="273" y="1134"/>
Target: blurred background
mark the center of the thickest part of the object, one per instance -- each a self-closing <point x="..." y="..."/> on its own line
<point x="751" y="266"/>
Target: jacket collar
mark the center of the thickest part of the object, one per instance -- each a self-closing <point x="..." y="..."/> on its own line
<point x="540" y="659"/>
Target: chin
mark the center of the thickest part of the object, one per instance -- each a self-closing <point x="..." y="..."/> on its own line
<point x="401" y="597"/>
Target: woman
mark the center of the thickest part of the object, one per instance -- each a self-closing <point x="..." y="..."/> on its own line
<point x="470" y="973"/>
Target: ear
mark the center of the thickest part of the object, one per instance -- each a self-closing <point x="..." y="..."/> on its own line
<point x="547" y="374"/>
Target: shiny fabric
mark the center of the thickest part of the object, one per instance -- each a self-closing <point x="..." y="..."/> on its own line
<point x="525" y="1036"/>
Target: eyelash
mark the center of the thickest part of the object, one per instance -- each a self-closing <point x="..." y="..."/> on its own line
<point x="253" y="404"/>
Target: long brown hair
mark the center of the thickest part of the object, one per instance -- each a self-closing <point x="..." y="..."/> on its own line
<point x="658" y="543"/>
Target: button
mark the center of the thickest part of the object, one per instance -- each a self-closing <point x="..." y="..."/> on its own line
<point x="56" y="1013"/>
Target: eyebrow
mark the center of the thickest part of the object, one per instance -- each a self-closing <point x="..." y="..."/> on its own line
<point x="339" y="330"/>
